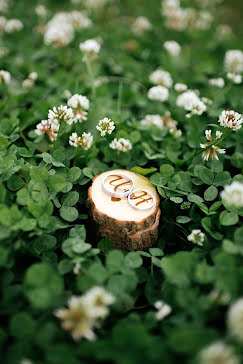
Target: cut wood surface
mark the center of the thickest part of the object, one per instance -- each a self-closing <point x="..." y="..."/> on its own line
<point x="115" y="218"/>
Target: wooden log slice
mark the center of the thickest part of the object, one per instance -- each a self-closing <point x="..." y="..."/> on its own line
<point x="116" y="214"/>
<point x="142" y="240"/>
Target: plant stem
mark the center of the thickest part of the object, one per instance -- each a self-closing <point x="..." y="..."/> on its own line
<point x="76" y="87"/>
<point x="152" y="269"/>
<point x="78" y="148"/>
<point x="75" y="156"/>
<point x="96" y="140"/>
<point x="119" y="100"/>
<point x="180" y="226"/>
<point x="125" y="79"/>
<point x="58" y="135"/>
<point x="91" y="77"/>
<point x="24" y="138"/>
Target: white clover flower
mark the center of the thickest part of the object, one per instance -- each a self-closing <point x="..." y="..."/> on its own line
<point x="122" y="144"/>
<point x="25" y="361"/>
<point x="162" y="121"/>
<point x="212" y="152"/>
<point x="187" y="99"/>
<point x="179" y="19"/>
<point x="67" y="94"/>
<point x="204" y="20"/>
<point x="76" y="268"/>
<point x="190" y="101"/>
<point x="153" y="120"/>
<point x="140" y="25"/>
<point x="79" y="20"/>
<point x="161" y="77"/>
<point x="233" y="61"/>
<point x="230" y="119"/>
<point x="77" y="101"/>
<point x="214" y="149"/>
<point x="218" y="353"/>
<point x="197" y="108"/>
<point x="235" y="319"/>
<point x="163" y="310"/>
<point x="13" y="25"/>
<point x="169" y="7"/>
<point x="84" y="312"/>
<point x="77" y="319"/>
<point x="98" y="300"/>
<point x="74" y="140"/>
<point x="232" y="194"/>
<point x="4" y="5"/>
<point x="5" y="77"/>
<point x="95" y="4"/>
<point x="168" y="121"/>
<point x="59" y="30"/>
<point x="180" y="87"/>
<point x="217" y="82"/>
<point x="208" y="134"/>
<point x="172" y="47"/>
<point x="30" y="80"/>
<point x="237" y="79"/>
<point x="90" y="48"/>
<point x="196" y="237"/>
<point x="79" y="104"/>
<point x="49" y="128"/>
<point x="85" y="141"/>
<point x="61" y="114"/>
<point x="224" y="30"/>
<point x="206" y="101"/>
<point x="218" y="134"/>
<point x="105" y="126"/>
<point x="28" y="83"/>
<point x="159" y="93"/>
<point x="33" y="76"/>
<point x="41" y="11"/>
<point x="176" y="133"/>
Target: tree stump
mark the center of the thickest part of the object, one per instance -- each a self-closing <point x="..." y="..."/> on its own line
<point x="130" y="221"/>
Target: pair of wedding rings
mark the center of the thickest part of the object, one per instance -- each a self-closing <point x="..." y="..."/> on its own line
<point x="120" y="186"/>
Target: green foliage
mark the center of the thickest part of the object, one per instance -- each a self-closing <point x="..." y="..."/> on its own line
<point x="42" y="285"/>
